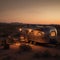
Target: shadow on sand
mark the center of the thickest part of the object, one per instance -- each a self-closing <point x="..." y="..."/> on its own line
<point x="49" y="45"/>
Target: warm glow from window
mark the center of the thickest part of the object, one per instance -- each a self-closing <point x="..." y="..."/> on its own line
<point x="20" y="29"/>
<point x="39" y="34"/>
<point x="22" y="38"/>
<point x="35" y="32"/>
<point x="18" y="44"/>
<point x="29" y="30"/>
<point x="43" y="33"/>
<point x="52" y="33"/>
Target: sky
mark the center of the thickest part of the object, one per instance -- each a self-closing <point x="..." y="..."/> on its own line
<point x="30" y="11"/>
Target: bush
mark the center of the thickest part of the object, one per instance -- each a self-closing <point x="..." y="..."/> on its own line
<point x="7" y="58"/>
<point x="6" y="46"/>
<point x="25" y="48"/>
<point x="37" y="55"/>
<point x="57" y="56"/>
<point x="40" y="54"/>
<point x="47" y="54"/>
<point x="58" y="46"/>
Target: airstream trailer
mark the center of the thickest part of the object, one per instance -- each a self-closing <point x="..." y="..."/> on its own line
<point x="41" y="34"/>
<point x="44" y="34"/>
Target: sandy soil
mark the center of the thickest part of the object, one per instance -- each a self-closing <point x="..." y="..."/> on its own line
<point x="14" y="54"/>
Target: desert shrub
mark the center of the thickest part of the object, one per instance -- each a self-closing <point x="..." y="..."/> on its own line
<point x="25" y="48"/>
<point x="37" y="55"/>
<point x="7" y="58"/>
<point x="6" y="46"/>
<point x="58" y="46"/>
<point x="47" y="54"/>
<point x="57" y="56"/>
<point x="40" y="54"/>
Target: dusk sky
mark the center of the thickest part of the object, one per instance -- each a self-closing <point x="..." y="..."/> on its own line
<point x="30" y="11"/>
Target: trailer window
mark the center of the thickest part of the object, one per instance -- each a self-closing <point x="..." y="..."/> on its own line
<point x="53" y="33"/>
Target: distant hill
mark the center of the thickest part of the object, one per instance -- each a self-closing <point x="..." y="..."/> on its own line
<point x="13" y="27"/>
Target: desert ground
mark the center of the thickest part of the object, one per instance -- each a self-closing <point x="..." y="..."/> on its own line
<point x="15" y="53"/>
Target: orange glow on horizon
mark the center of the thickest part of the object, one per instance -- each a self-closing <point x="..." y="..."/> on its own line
<point x="30" y="11"/>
